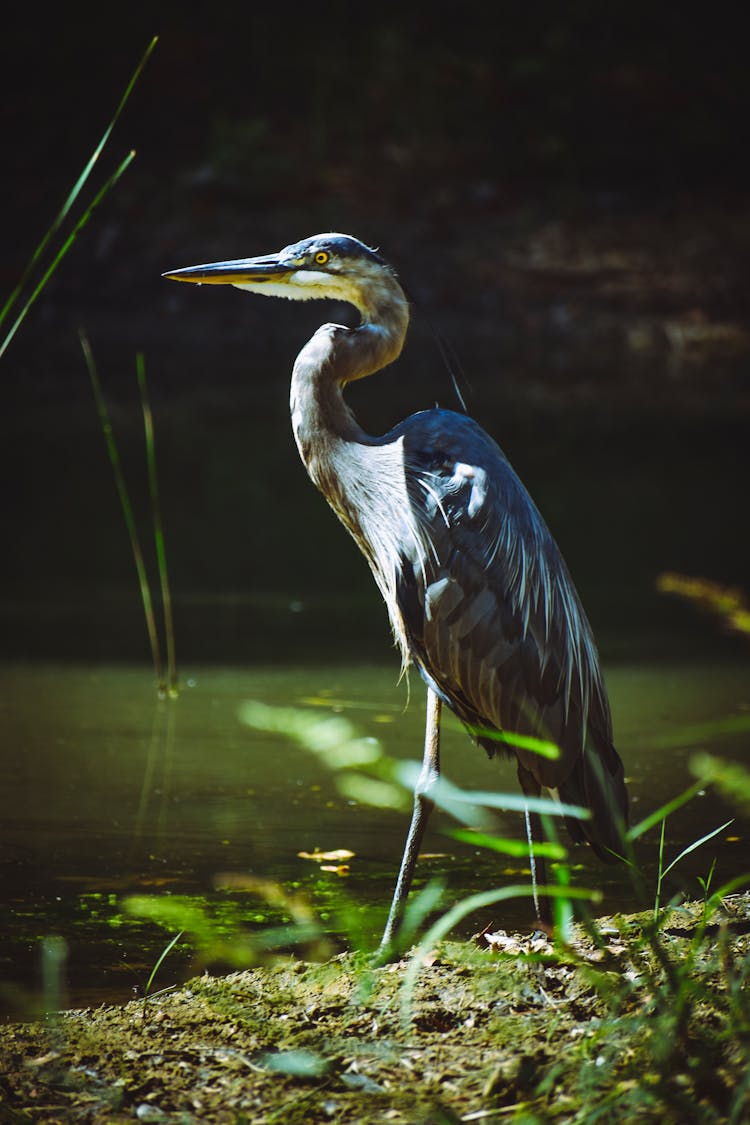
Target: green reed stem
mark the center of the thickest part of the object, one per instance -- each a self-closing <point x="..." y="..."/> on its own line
<point x="127" y="510"/>
<point x="63" y="214"/>
<point x="660" y="873"/>
<point x="161" y="555"/>
<point x="62" y="252"/>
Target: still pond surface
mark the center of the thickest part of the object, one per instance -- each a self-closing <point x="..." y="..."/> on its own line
<point x="107" y="792"/>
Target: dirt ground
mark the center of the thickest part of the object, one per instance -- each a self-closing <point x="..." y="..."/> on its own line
<point x="626" y="1022"/>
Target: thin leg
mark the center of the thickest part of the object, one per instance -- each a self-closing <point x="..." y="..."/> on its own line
<point x="532" y="859"/>
<point x="542" y="906"/>
<point x="423" y="806"/>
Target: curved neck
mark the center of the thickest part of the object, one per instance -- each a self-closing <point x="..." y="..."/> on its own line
<point x="335" y="356"/>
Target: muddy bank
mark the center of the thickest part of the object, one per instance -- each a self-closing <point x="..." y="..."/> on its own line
<point x="627" y="1021"/>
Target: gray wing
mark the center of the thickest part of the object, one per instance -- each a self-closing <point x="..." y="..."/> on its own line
<point x="493" y="620"/>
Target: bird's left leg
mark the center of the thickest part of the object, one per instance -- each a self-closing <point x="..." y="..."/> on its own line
<point x="423" y="806"/>
<point x="532" y="788"/>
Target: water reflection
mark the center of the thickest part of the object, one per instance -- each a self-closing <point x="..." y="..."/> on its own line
<point x="107" y="791"/>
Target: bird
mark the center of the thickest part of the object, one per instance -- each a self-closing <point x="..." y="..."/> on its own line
<point x="479" y="597"/>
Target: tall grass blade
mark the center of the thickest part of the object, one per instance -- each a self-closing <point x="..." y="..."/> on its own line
<point x="66" y="207"/>
<point x="127" y="511"/>
<point x="462" y="803"/>
<point x="729" y="888"/>
<point x="518" y="849"/>
<point x="161" y="555"/>
<point x="660" y="871"/>
<point x="63" y="251"/>
<point x="161" y="959"/>
<point x="541" y="746"/>
<point x="664" y="811"/>
<point x="696" y="844"/>
<point x="664" y="871"/>
<point x="694" y="734"/>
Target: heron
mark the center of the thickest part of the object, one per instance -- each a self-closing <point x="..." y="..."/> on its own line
<point x="479" y="597"/>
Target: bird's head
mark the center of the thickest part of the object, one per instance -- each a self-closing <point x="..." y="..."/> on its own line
<point x="335" y="266"/>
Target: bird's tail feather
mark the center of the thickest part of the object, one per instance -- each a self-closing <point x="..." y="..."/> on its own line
<point x="598" y="783"/>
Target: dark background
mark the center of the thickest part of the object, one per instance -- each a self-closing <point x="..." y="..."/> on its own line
<point x="563" y="189"/>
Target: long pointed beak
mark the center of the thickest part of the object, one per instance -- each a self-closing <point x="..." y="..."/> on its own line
<point x="270" y="267"/>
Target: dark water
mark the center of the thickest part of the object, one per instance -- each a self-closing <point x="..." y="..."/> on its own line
<point x="107" y="791"/>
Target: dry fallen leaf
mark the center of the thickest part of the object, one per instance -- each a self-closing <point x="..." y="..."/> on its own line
<point x="338" y="855"/>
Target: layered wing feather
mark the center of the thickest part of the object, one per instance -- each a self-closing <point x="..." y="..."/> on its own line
<point x="491" y="617"/>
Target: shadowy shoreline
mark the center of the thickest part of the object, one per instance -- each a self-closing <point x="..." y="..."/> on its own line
<point x="630" y="1020"/>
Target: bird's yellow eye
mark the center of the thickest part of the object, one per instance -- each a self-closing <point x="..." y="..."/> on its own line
<point x="321" y="258"/>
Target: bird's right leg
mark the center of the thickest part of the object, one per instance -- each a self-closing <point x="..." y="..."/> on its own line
<point x="423" y="806"/>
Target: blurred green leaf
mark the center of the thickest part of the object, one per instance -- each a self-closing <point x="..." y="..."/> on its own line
<point x="731" y="779"/>
<point x="517" y="848"/>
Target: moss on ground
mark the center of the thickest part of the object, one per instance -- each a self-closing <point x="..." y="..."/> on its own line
<point x="626" y="1022"/>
